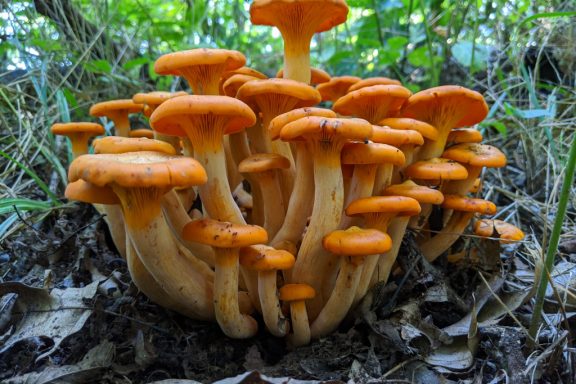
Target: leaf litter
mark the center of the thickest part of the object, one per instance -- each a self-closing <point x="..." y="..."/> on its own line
<point x="70" y="314"/>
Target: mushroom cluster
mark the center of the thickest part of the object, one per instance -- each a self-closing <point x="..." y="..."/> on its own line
<point x="303" y="208"/>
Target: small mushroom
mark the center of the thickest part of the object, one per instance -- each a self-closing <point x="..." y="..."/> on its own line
<point x="79" y="135"/>
<point x="296" y="295"/>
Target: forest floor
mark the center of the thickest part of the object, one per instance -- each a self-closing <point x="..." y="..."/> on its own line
<point x="69" y="313"/>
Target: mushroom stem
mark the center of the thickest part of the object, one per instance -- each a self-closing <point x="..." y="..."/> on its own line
<point x="435" y="246"/>
<point x="341" y="298"/>
<point x="313" y="261"/>
<point x="149" y="286"/>
<point x="383" y="178"/>
<point x="300" y="324"/>
<point x="275" y="321"/>
<point x="361" y="185"/>
<point x="226" y="308"/>
<point x="159" y="252"/>
<point x="274" y="207"/>
<point x="300" y="204"/>
<point x="384" y="262"/>
<point x="115" y="221"/>
<point x="121" y="123"/>
<point x="177" y="217"/>
<point x="297" y="58"/>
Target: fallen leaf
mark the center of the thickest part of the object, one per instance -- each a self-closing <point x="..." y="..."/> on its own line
<point x="55" y="315"/>
<point x="92" y="365"/>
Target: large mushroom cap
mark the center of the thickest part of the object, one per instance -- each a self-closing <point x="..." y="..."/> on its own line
<point x="141" y="133"/>
<point x="399" y="205"/>
<point x="174" y="63"/>
<point x="81" y="190"/>
<point x="356" y="241"/>
<point x="372" y="153"/>
<point x="167" y="117"/>
<point x="320" y="15"/>
<point x="373" y="103"/>
<point x="281" y="120"/>
<point x="458" y="105"/>
<point x="403" y="123"/>
<point x="66" y="129"/>
<point x="436" y="169"/>
<point x="421" y="193"/>
<point x="264" y="258"/>
<point x="468" y="204"/>
<point x="118" y="144"/>
<point x="325" y="127"/>
<point x="106" y="108"/>
<point x="476" y="155"/>
<point x="221" y="234"/>
<point x="137" y="169"/>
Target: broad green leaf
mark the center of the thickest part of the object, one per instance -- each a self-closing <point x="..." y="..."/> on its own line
<point x="419" y="57"/>
<point x="135" y="63"/>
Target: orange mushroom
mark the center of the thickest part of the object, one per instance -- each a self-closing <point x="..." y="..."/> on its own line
<point x="117" y="111"/>
<point x="267" y="261"/>
<point x="298" y="21"/>
<point x="296" y="294"/>
<point x="201" y="67"/>
<point x="368" y="82"/>
<point x="353" y="245"/>
<point x="79" y="134"/>
<point x="464" y="209"/>
<point x="337" y="87"/>
<point x="227" y="239"/>
<point x="445" y="107"/>
<point x="317" y="76"/>
<point x="506" y="232"/>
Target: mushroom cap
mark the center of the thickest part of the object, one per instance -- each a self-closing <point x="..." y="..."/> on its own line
<point x="280" y="121"/>
<point x="436" y="169"/>
<point x="167" y="117"/>
<point x="464" y="135"/>
<point x="173" y="63"/>
<point x="476" y="155"/>
<point x="262" y="162"/>
<point x="424" y="195"/>
<point x="447" y="100"/>
<point x="296" y="292"/>
<point x="468" y="204"/>
<point x="371" y="153"/>
<point x="396" y="137"/>
<point x="89" y="193"/>
<point x="141" y="133"/>
<point x="373" y="103"/>
<point x="317" y="76"/>
<point x="156" y="97"/>
<point x="316" y="127"/>
<point x="222" y="234"/>
<point x="264" y="258"/>
<point x="119" y="144"/>
<point x="336" y="87"/>
<point x="280" y="13"/>
<point x="405" y="123"/>
<point x="508" y="233"/>
<point x="106" y="108"/>
<point x="137" y="170"/>
<point x="356" y="241"/>
<point x="66" y="129"/>
<point x="398" y="205"/>
<point x="372" y="81"/>
<point x="243" y="71"/>
<point x="274" y="89"/>
<point x="233" y="83"/>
